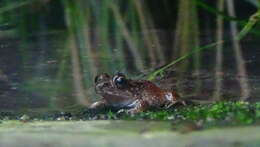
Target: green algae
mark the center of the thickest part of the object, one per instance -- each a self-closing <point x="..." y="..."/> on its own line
<point x="220" y="112"/>
<point x="214" y="114"/>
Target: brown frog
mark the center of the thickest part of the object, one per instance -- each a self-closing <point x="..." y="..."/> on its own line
<point x="132" y="95"/>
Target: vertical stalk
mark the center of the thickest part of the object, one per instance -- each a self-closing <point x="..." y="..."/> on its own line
<point x="186" y="36"/>
<point x="219" y="48"/>
<point x="132" y="46"/>
<point x="75" y="53"/>
<point x="242" y="73"/>
<point x="104" y="34"/>
<point x="150" y="37"/>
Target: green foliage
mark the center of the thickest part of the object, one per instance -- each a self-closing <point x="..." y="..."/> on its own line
<point x="257" y="106"/>
<point x="241" y="22"/>
<point x="220" y="112"/>
<point x="235" y="112"/>
<point x="249" y="26"/>
<point x="152" y="75"/>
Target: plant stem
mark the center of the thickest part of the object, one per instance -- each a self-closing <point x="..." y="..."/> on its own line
<point x="246" y="29"/>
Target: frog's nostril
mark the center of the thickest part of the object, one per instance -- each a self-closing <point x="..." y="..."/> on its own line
<point x="99" y="88"/>
<point x="101" y="85"/>
<point x="105" y="84"/>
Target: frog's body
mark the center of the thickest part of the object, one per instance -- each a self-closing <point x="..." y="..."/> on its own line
<point x="134" y="95"/>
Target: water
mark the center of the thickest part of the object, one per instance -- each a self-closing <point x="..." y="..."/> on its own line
<point x="37" y="73"/>
<point x="50" y="51"/>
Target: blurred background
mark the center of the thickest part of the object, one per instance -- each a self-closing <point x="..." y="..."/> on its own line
<point x="51" y="50"/>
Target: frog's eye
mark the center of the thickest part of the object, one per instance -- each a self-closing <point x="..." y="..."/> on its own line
<point x="102" y="77"/>
<point x="120" y="81"/>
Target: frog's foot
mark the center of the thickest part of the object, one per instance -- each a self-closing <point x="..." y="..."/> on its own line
<point x="130" y="112"/>
<point x="140" y="106"/>
<point x="183" y="103"/>
<point x="121" y="111"/>
<point x="170" y="104"/>
<point x="175" y="102"/>
<point x="98" y="105"/>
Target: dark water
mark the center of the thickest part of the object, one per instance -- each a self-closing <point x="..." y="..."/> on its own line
<point x="37" y="72"/>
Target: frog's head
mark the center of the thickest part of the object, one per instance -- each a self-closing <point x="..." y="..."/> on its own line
<point x="114" y="89"/>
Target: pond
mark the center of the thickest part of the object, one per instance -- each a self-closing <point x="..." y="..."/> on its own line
<point x="39" y="72"/>
<point x="51" y="51"/>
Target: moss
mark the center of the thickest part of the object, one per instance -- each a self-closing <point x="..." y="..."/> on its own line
<point x="223" y="113"/>
<point x="219" y="112"/>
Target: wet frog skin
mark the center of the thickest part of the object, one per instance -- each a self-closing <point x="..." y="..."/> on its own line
<point x="132" y="95"/>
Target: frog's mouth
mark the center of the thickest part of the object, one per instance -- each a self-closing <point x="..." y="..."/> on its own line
<point x="119" y="100"/>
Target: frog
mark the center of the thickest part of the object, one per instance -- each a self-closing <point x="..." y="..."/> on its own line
<point x="131" y="96"/>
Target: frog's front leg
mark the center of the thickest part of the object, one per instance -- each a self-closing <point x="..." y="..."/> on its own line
<point x="139" y="106"/>
<point x="99" y="104"/>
